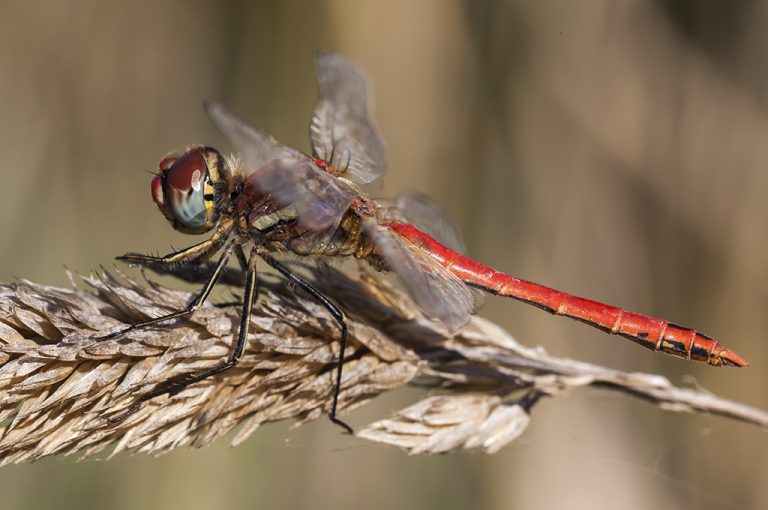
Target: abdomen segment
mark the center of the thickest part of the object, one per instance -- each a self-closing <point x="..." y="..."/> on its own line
<point x="650" y="332"/>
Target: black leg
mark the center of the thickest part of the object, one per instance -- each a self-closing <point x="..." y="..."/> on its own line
<point x="191" y="264"/>
<point x="196" y="272"/>
<point x="337" y="314"/>
<point x="250" y="297"/>
<point x="228" y="304"/>
<point x="198" y="251"/>
<point x="241" y="258"/>
<point x="192" y="306"/>
<point x="244" y="266"/>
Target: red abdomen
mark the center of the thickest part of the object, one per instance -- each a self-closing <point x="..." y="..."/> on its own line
<point x="650" y="332"/>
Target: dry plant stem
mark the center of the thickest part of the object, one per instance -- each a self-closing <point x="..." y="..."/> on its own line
<point x="59" y="383"/>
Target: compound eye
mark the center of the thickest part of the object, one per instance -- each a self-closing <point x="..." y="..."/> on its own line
<point x="157" y="195"/>
<point x="166" y="162"/>
<point x="184" y="189"/>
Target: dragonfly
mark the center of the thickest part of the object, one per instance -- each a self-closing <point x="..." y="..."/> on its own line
<point x="273" y="200"/>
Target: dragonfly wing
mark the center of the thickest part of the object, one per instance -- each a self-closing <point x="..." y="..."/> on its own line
<point x="423" y="213"/>
<point x="342" y="132"/>
<point x="284" y="173"/>
<point x="318" y="199"/>
<point x="438" y="293"/>
<point x="256" y="147"/>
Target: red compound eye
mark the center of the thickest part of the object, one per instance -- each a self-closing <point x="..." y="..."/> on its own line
<point x="184" y="192"/>
<point x="157" y="191"/>
<point x="157" y="195"/>
<point x="166" y="162"/>
<point x="182" y="189"/>
<point x="187" y="173"/>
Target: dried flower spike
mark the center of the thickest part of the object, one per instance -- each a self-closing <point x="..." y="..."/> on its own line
<point x="59" y="384"/>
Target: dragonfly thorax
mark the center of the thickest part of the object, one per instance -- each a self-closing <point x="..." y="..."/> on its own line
<point x="191" y="189"/>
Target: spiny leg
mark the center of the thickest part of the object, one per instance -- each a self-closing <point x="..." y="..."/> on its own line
<point x="244" y="266"/>
<point x="241" y="258"/>
<point x="196" y="303"/>
<point x="228" y="304"/>
<point x="250" y="297"/>
<point x="195" y="252"/>
<point x="198" y="272"/>
<point x="337" y="314"/>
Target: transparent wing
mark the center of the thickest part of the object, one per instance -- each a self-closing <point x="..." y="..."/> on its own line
<point x="423" y="213"/>
<point x="285" y="174"/>
<point x="316" y="198"/>
<point x="256" y="147"/>
<point x="342" y="132"/>
<point x="438" y="293"/>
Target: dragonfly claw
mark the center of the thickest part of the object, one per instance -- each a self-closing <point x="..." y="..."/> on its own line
<point x="347" y="428"/>
<point x="133" y="258"/>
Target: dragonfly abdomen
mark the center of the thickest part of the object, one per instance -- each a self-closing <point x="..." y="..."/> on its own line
<point x="650" y="332"/>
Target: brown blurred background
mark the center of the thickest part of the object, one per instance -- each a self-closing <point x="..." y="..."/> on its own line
<point x="614" y="149"/>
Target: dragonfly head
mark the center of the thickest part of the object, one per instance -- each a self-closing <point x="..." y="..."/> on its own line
<point x="189" y="189"/>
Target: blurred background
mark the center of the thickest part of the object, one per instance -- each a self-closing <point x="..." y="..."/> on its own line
<point x="613" y="149"/>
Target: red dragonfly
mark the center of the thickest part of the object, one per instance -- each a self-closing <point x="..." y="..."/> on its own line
<point x="273" y="199"/>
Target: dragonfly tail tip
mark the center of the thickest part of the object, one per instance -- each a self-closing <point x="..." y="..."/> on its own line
<point x="728" y="358"/>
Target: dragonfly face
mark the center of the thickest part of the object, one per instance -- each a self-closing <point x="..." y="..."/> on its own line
<point x="191" y="188"/>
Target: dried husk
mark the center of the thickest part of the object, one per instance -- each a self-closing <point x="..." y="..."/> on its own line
<point x="59" y="383"/>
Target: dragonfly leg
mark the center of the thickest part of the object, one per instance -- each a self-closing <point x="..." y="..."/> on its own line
<point x="244" y="265"/>
<point x="337" y="314"/>
<point x="228" y="304"/>
<point x="193" y="306"/>
<point x="251" y="295"/>
<point x="199" y="271"/>
<point x="196" y="252"/>
<point x="241" y="258"/>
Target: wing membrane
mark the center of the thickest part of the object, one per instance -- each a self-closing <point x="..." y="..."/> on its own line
<point x="438" y="292"/>
<point x="423" y="213"/>
<point x="342" y="132"/>
<point x="256" y="147"/>
<point x="317" y="197"/>
<point x="284" y="173"/>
